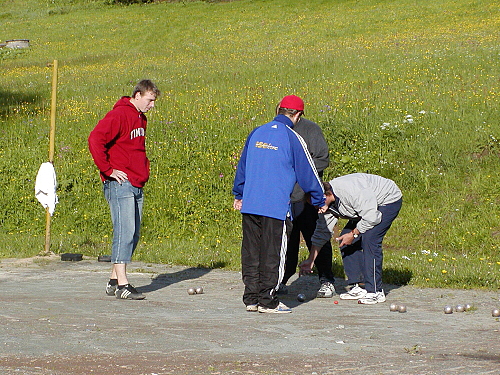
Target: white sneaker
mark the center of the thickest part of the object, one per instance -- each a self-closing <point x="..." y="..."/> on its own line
<point x="372" y="298"/>
<point x="280" y="309"/>
<point x="356" y="292"/>
<point x="327" y="290"/>
<point x="252" y="308"/>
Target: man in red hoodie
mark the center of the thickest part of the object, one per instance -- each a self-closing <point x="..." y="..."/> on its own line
<point x="117" y="145"/>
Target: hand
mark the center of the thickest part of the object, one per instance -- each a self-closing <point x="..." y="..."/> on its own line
<point x="237" y="204"/>
<point x="306" y="267"/>
<point x="345" y="239"/>
<point x="323" y="209"/>
<point x="119" y="176"/>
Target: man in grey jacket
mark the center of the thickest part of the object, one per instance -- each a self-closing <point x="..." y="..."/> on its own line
<point x="370" y="203"/>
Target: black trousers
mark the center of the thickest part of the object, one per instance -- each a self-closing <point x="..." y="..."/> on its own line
<point x="305" y="223"/>
<point x="263" y="253"/>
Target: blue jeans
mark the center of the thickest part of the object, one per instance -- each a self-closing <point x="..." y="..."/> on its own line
<point x="125" y="203"/>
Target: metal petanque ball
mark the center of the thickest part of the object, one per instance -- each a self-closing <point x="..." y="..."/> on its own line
<point x="402" y="308"/>
<point x="191" y="291"/>
<point x="467" y="307"/>
<point x="393" y="307"/>
<point x="448" y="310"/>
<point x="460" y="308"/>
<point x="495" y="313"/>
<point x="199" y="290"/>
<point x="301" y="297"/>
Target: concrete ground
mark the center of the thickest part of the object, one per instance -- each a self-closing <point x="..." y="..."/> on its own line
<point x="57" y="320"/>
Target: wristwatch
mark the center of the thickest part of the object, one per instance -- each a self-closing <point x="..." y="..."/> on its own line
<point x="355" y="235"/>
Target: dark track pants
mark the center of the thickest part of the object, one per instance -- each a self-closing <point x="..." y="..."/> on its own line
<point x="263" y="253"/>
<point x="363" y="258"/>
<point x="304" y="222"/>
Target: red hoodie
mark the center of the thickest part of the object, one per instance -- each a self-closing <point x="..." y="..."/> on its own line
<point x="118" y="142"/>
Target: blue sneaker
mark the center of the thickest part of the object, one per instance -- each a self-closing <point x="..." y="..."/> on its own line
<point x="280" y="309"/>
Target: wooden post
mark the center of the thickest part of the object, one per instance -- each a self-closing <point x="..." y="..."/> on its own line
<point x="52" y="136"/>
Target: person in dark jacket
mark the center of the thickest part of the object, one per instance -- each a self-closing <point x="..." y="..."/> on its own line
<point x="306" y="215"/>
<point x="274" y="158"/>
<point x="118" y="147"/>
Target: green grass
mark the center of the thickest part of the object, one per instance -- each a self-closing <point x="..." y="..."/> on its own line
<point x="362" y="68"/>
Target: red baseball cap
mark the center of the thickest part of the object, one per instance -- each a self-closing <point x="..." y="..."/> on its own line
<point x="292" y="102"/>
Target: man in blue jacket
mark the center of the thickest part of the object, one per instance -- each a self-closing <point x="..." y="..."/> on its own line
<point x="273" y="160"/>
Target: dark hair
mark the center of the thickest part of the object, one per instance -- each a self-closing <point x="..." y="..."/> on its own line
<point x="327" y="187"/>
<point x="145" y="86"/>
<point x="287" y="111"/>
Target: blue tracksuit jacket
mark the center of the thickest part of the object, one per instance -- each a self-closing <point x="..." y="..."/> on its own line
<point x="273" y="160"/>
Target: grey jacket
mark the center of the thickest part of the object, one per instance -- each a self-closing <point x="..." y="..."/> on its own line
<point x="359" y="196"/>
<point x="318" y="148"/>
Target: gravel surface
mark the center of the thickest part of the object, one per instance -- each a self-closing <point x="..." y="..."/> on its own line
<point x="57" y="320"/>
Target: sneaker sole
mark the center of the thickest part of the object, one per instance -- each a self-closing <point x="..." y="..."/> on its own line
<point x="131" y="298"/>
<point x="322" y="295"/>
<point x="129" y="295"/>
<point x="272" y="311"/>
<point x="370" y="301"/>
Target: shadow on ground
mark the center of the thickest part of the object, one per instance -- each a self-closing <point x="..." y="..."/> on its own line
<point x="166" y="279"/>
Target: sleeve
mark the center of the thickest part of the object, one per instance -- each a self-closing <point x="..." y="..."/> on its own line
<point x="324" y="229"/>
<point x="319" y="150"/>
<point x="307" y="177"/>
<point x="106" y="131"/>
<point x="239" y="178"/>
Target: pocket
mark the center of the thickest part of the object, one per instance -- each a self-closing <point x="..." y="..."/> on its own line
<point x="105" y="189"/>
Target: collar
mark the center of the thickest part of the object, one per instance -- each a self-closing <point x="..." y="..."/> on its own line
<point x="334" y="207"/>
<point x="284" y="120"/>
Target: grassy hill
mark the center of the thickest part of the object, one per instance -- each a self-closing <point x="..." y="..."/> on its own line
<point x="406" y="90"/>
